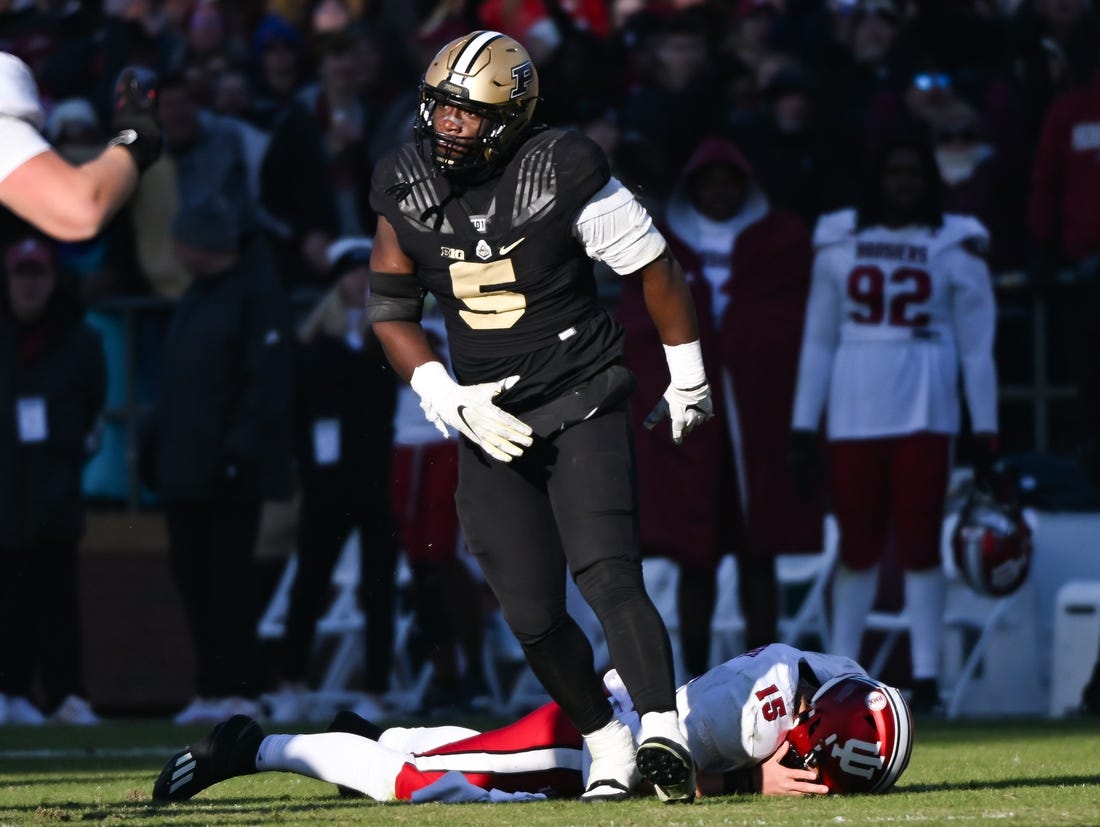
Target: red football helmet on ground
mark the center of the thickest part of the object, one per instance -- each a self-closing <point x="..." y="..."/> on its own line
<point x="992" y="545"/>
<point x="857" y="733"/>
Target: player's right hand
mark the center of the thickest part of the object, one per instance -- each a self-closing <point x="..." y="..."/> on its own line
<point x="469" y="409"/>
<point x="778" y="779"/>
<point x="134" y="115"/>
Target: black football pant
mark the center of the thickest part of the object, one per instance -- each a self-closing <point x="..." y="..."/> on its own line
<point x="40" y="621"/>
<point x="212" y="544"/>
<point x="570" y="500"/>
<point x="324" y="525"/>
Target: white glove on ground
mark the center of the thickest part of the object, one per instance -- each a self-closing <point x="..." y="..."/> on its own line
<point x="686" y="402"/>
<point x="469" y="409"/>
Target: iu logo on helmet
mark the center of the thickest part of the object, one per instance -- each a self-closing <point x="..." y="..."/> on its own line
<point x="858" y="757"/>
<point x="522" y="76"/>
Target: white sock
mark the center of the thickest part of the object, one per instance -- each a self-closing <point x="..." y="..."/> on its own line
<point x="337" y="757"/>
<point x="609" y="755"/>
<point x="853" y="597"/>
<point x="925" y="597"/>
<point x="661" y="725"/>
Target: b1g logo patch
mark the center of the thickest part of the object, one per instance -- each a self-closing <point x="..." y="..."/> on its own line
<point x="452" y="253"/>
<point x="522" y="76"/>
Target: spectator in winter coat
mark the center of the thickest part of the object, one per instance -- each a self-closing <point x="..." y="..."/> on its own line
<point x="344" y="396"/>
<point x="52" y="386"/>
<point x="748" y="266"/>
<point x="222" y="442"/>
<point x="1066" y="231"/>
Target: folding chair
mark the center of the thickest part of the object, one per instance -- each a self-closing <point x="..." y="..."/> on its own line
<point x="344" y="623"/>
<point x="965" y="614"/>
<point x="811" y="571"/>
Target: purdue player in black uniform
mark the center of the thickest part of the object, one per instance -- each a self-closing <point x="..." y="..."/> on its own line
<point x="501" y="222"/>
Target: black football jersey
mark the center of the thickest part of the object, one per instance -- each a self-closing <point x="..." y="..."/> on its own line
<point x="515" y="287"/>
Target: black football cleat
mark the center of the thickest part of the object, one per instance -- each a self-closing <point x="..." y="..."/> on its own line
<point x="669" y="767"/>
<point x="925" y="701"/>
<point x="228" y="751"/>
<point x="347" y="721"/>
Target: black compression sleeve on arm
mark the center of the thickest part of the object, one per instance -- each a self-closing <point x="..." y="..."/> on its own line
<point x="394" y="297"/>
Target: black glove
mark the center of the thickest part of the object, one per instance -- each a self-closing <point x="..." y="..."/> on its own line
<point x="986" y="454"/>
<point x="135" y="121"/>
<point x="804" y="462"/>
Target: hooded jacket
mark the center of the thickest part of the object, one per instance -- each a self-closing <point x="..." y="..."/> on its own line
<point x="750" y="350"/>
<point x="54" y="367"/>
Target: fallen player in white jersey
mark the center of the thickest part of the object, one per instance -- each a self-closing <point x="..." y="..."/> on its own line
<point x="776" y="721"/>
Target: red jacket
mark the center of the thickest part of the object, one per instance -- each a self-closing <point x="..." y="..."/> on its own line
<point x="1065" y="179"/>
<point x="689" y="506"/>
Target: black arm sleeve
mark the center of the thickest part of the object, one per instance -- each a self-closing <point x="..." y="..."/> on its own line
<point x="394" y="297"/>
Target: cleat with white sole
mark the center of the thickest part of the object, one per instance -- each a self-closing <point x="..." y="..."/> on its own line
<point x="228" y="751"/>
<point x="667" y="765"/>
<point x="613" y="773"/>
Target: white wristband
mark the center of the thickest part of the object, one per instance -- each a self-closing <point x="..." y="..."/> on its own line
<point x="430" y="378"/>
<point x="685" y="365"/>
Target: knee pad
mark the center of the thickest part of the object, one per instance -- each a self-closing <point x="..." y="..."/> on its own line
<point x="607" y="584"/>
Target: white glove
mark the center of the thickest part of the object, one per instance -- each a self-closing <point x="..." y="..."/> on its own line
<point x="469" y="409"/>
<point x="686" y="402"/>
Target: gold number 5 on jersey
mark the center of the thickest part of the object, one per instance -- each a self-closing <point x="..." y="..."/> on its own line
<point x="479" y="286"/>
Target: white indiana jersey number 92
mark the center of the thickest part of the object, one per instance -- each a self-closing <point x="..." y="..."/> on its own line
<point x="893" y="314"/>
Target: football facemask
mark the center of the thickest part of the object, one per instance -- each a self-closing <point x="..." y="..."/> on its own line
<point x="490" y="75"/>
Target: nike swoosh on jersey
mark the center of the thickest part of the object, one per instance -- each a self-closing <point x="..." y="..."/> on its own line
<point x="507" y="248"/>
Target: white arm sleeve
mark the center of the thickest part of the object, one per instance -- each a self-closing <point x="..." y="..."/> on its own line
<point x="974" y="316"/>
<point x="19" y="92"/>
<point x="19" y="142"/>
<point x="819" y="339"/>
<point x="616" y="229"/>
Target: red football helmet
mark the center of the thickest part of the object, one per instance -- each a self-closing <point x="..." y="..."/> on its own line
<point x="992" y="545"/>
<point x="857" y="733"/>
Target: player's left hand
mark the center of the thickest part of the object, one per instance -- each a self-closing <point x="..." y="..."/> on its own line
<point x="135" y="121"/>
<point x="685" y="408"/>
<point x="777" y="779"/>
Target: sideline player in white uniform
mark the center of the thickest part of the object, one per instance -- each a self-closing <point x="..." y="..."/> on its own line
<point x="901" y="301"/>
<point x="69" y="202"/>
<point x="776" y="720"/>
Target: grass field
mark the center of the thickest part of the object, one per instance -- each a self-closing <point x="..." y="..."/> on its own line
<point x="972" y="772"/>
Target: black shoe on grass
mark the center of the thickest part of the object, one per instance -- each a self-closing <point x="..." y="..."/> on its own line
<point x="925" y="702"/>
<point x="228" y="751"/>
<point x="669" y="767"/>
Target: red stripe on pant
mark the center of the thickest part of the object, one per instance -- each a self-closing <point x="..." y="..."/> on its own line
<point x="544" y="728"/>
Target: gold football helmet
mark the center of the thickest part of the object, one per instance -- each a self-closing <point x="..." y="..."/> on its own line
<point x="488" y="74"/>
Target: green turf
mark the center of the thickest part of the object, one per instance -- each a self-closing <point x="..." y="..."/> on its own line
<point x="1003" y="772"/>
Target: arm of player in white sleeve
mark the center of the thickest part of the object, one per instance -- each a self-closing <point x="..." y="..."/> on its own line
<point x="614" y="228"/>
<point x="820" y="334"/>
<point x="21" y="115"/>
<point x="974" y="316"/>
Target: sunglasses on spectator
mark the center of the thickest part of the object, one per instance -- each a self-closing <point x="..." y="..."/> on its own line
<point x="927" y="81"/>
